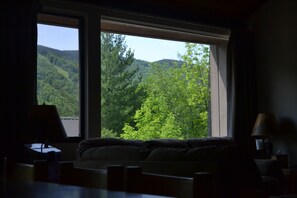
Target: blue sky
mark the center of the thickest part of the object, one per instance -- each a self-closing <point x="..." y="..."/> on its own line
<point x="154" y="49"/>
<point x="148" y="49"/>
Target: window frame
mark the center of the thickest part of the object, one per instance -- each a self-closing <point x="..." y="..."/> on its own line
<point x="90" y="52"/>
<point x="66" y="20"/>
<point x="218" y="48"/>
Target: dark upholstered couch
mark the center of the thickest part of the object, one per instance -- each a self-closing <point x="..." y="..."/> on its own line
<point x="233" y="170"/>
<point x="272" y="176"/>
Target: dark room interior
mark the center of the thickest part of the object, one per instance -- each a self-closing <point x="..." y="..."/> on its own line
<point x="256" y="39"/>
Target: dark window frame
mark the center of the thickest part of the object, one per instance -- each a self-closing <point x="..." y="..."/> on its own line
<point x="63" y="20"/>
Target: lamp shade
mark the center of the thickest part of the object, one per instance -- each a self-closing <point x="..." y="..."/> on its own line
<point x="265" y="125"/>
<point x="45" y="124"/>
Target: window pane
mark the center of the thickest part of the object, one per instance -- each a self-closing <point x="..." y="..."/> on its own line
<point x="58" y="73"/>
<point x="153" y="88"/>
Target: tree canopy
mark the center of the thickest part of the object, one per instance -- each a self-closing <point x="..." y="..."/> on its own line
<point x="177" y="99"/>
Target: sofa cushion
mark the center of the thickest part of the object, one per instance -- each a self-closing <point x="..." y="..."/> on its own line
<point x="180" y="168"/>
<point x="210" y="153"/>
<point x="198" y="142"/>
<point x="173" y="143"/>
<point x="114" y="153"/>
<point x="91" y="142"/>
<point x="100" y="142"/>
<point x="168" y="154"/>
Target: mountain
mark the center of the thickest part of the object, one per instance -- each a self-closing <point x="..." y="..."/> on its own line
<point x="66" y="54"/>
<point x="58" y="77"/>
<point x="169" y="62"/>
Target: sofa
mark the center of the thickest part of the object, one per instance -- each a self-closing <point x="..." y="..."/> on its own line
<point x="272" y="176"/>
<point x="233" y="170"/>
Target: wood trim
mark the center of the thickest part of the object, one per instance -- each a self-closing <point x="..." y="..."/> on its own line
<point x="92" y="178"/>
<point x="157" y="184"/>
<point x="53" y="19"/>
<point x="151" y="31"/>
<point x="38" y="171"/>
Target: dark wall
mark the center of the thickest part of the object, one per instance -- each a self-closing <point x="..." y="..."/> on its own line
<point x="275" y="28"/>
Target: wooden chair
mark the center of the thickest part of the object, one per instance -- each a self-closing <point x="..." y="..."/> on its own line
<point x="200" y="185"/>
<point x="132" y="179"/>
<point x="82" y="177"/>
<point x="38" y="171"/>
<point x="111" y="179"/>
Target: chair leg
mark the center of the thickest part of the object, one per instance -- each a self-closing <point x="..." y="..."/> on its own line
<point x="115" y="177"/>
<point x="203" y="185"/>
<point x="133" y="182"/>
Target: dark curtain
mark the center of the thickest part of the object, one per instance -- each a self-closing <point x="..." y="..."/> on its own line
<point x="241" y="87"/>
<point x="18" y="72"/>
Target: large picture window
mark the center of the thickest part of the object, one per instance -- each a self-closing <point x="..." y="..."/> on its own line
<point x="158" y="83"/>
<point x="125" y="83"/>
<point x="168" y="97"/>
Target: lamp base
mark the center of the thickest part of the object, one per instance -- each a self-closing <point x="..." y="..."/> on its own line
<point x="265" y="152"/>
<point x="268" y="149"/>
<point x="42" y="148"/>
<point x="43" y="152"/>
<point x="38" y="151"/>
<point x="263" y="147"/>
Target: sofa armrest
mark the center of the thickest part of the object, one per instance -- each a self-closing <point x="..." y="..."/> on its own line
<point x="272" y="175"/>
<point x="269" y="167"/>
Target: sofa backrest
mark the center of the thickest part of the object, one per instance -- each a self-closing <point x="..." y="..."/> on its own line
<point x="115" y="149"/>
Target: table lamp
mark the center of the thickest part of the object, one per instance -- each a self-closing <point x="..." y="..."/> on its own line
<point x="45" y="125"/>
<point x="264" y="127"/>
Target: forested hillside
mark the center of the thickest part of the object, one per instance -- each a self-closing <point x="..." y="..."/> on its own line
<point x="58" y="78"/>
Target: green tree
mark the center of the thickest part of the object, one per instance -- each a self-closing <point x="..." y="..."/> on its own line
<point x="177" y="99"/>
<point x="119" y="95"/>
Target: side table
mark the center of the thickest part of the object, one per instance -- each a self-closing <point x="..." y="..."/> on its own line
<point x="290" y="176"/>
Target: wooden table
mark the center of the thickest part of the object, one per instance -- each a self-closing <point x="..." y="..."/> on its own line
<point x="32" y="189"/>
